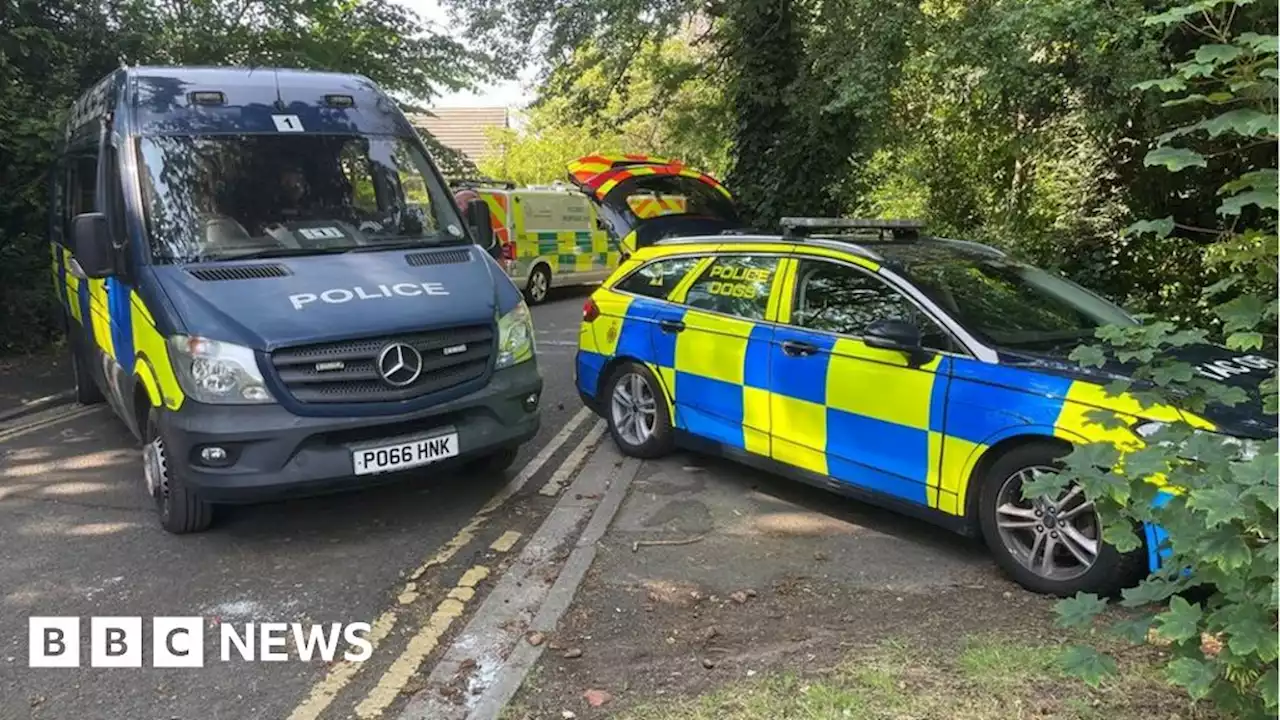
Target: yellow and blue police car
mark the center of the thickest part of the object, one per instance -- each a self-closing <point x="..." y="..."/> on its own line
<point x="923" y="374"/>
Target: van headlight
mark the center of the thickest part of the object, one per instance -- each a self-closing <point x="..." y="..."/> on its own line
<point x="217" y="373"/>
<point x="515" y="337"/>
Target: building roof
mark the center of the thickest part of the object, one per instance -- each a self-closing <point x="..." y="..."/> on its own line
<point x="463" y="129"/>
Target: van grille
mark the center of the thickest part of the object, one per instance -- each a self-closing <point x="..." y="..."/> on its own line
<point x="347" y="372"/>
<point x="438" y="257"/>
<point x="238" y="272"/>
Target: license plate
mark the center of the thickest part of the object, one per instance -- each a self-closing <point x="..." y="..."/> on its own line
<point x="404" y="455"/>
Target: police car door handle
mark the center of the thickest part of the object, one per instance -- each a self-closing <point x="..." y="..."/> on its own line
<point x="671" y="326"/>
<point x="798" y="349"/>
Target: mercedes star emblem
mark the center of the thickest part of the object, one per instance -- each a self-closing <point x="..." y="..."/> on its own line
<point x="399" y="364"/>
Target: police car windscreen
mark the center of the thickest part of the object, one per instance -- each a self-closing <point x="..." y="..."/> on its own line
<point x="226" y="196"/>
<point x="1011" y="304"/>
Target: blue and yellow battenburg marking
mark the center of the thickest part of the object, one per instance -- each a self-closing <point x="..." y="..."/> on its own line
<point x="115" y="320"/>
<point x="858" y="414"/>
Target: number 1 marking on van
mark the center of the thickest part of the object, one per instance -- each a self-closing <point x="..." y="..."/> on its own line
<point x="287" y="123"/>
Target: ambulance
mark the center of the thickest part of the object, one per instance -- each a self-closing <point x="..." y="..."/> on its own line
<point x="558" y="235"/>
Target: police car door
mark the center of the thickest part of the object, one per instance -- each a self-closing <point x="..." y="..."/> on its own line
<point x="858" y="414"/>
<point x="722" y="350"/>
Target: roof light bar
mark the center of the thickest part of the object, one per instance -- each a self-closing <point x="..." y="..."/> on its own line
<point x="798" y="227"/>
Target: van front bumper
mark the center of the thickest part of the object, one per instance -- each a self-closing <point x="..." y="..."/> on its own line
<point x="272" y="453"/>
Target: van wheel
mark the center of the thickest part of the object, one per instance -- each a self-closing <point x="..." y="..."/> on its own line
<point x="87" y="391"/>
<point x="180" y="511"/>
<point x="539" y="284"/>
<point x="1051" y="546"/>
<point x="637" y="412"/>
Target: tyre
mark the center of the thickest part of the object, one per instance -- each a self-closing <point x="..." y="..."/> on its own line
<point x="539" y="285"/>
<point x="1047" y="546"/>
<point x="495" y="463"/>
<point x="636" y="411"/>
<point x="180" y="510"/>
<point x="87" y="391"/>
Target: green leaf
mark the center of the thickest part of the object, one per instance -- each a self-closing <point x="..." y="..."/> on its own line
<point x="1174" y="372"/>
<point x="1181" y="621"/>
<point x="1219" y="504"/>
<point x="1133" y="630"/>
<point x="1246" y="122"/>
<point x="1186" y="100"/>
<point x="1174" y="158"/>
<point x="1088" y="664"/>
<point x="1089" y="356"/>
<point x="1260" y="43"/>
<point x="1224" y="547"/>
<point x="1079" y="610"/>
<point x="1242" y="313"/>
<point x="1169" y="84"/>
<point x="1044" y="485"/>
<point x="1245" y="341"/>
<point x="1248" y="631"/>
<point x="1171" y="16"/>
<point x="1268" y="685"/>
<point x="1235" y="204"/>
<point x="1218" y="54"/>
<point x="1150" y="590"/>
<point x="1120" y="535"/>
<point x="1160" y="228"/>
<point x="1194" y="675"/>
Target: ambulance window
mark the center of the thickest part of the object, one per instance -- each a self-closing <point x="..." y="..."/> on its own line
<point x="839" y="299"/>
<point x="658" y="279"/>
<point x="735" y="285"/>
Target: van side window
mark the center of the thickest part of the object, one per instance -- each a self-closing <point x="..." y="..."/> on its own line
<point x="735" y="285"/>
<point x="115" y="198"/>
<point x="839" y="299"/>
<point x="658" y="279"/>
<point x="83" y="186"/>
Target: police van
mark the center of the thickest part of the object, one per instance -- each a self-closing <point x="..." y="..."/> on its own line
<point x="557" y="235"/>
<point x="264" y="274"/>
<point x="927" y="375"/>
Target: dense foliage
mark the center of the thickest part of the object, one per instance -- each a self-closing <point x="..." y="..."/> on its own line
<point x="52" y="50"/>
<point x="1221" y="519"/>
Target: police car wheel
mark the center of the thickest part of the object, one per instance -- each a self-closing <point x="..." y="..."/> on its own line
<point x="87" y="391"/>
<point x="180" y="511"/>
<point x="637" y="412"/>
<point x="1052" y="545"/>
<point x="539" y="285"/>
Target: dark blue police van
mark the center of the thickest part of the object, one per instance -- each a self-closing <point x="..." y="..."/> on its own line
<point x="266" y="277"/>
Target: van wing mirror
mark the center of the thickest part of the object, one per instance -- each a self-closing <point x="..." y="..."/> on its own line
<point x="91" y="245"/>
<point x="481" y="224"/>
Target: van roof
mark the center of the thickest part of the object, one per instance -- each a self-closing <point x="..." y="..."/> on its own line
<point x="163" y="101"/>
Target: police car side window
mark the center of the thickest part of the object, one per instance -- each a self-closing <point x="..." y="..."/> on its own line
<point x="839" y="299"/>
<point x="658" y="279"/>
<point x="735" y="285"/>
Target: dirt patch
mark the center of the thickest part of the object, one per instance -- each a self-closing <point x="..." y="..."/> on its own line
<point x="24" y="378"/>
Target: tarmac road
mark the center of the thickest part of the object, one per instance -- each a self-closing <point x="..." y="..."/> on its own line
<point x="78" y="537"/>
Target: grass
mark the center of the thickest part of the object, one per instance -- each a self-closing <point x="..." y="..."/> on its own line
<point x="989" y="678"/>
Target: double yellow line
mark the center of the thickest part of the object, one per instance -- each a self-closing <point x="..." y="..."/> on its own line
<point x="397" y="676"/>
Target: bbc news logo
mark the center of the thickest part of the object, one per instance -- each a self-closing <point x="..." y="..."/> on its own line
<point x="179" y="642"/>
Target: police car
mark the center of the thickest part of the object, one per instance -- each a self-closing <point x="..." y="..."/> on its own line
<point x="923" y="374"/>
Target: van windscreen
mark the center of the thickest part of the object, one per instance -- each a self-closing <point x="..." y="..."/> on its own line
<point x="211" y="197"/>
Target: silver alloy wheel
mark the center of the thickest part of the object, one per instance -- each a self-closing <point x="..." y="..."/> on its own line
<point x="634" y="409"/>
<point x="539" y="282"/>
<point x="155" y="467"/>
<point x="1056" y="539"/>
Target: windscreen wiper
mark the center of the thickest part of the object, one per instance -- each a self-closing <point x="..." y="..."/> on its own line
<point x="274" y="253"/>
<point x="419" y="244"/>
